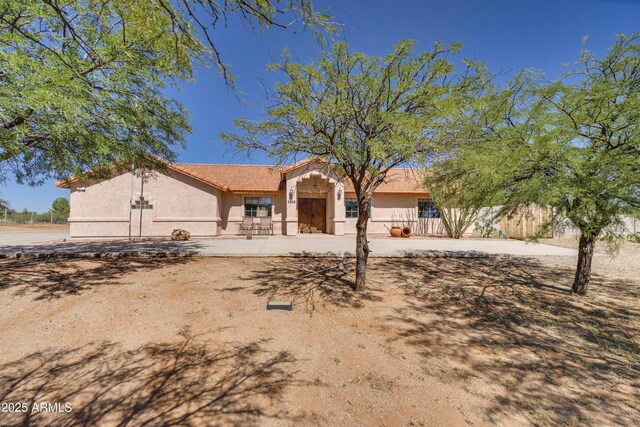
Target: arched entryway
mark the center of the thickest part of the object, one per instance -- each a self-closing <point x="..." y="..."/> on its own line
<point x="312" y="203"/>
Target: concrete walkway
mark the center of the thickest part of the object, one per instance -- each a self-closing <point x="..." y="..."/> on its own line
<point x="296" y="246"/>
<point x="28" y="238"/>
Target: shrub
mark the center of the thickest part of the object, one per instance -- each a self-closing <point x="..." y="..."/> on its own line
<point x="634" y="237"/>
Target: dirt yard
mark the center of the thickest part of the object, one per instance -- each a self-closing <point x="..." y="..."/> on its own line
<point x="26" y="228"/>
<point x="434" y="342"/>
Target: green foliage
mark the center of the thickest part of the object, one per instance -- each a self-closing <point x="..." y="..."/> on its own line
<point x="487" y="230"/>
<point x="634" y="237"/>
<point x="4" y="205"/>
<point x="361" y="115"/>
<point x="61" y="205"/>
<point x="81" y="81"/>
<point x="459" y="197"/>
<point x="572" y="144"/>
<point x="28" y="217"/>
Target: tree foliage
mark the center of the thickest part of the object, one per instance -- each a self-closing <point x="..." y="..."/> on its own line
<point x="61" y="205"/>
<point x="571" y="144"/>
<point x="363" y="115"/>
<point x="457" y="210"/>
<point x="81" y="81"/>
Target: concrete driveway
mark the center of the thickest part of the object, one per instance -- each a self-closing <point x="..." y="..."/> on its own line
<point x="302" y="245"/>
<point x="28" y="238"/>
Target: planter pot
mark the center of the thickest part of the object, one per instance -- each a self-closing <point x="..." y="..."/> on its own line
<point x="395" y="231"/>
<point x="406" y="232"/>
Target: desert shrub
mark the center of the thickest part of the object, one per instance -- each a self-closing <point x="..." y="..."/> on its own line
<point x="634" y="237"/>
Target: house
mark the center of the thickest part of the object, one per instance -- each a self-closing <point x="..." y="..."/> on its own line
<point x="214" y="199"/>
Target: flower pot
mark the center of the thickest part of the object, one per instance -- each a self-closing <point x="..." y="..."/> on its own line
<point x="395" y="231"/>
<point x="406" y="232"/>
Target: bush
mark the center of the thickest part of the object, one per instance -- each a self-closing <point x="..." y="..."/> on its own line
<point x="634" y="237"/>
<point x="487" y="230"/>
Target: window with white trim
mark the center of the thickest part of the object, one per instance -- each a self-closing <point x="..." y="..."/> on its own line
<point x="351" y="207"/>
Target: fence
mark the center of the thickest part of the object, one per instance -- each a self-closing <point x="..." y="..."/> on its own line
<point x="27" y="217"/>
<point x="528" y="222"/>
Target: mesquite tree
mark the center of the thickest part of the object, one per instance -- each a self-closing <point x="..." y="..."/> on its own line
<point x="571" y="144"/>
<point x="81" y="80"/>
<point x="362" y="115"/>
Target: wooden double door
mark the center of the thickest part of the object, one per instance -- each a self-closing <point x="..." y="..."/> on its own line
<point x="312" y="215"/>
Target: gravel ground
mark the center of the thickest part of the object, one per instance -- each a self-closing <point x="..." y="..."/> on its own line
<point x="494" y="341"/>
<point x="623" y="261"/>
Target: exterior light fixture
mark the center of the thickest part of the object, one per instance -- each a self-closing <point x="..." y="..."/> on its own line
<point x="315" y="187"/>
<point x="291" y="195"/>
<point x="339" y="193"/>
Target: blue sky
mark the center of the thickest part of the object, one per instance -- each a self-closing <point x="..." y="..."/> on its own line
<point x="506" y="34"/>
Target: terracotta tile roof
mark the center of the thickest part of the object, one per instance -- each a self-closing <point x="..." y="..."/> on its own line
<point x="398" y="181"/>
<point x="260" y="178"/>
<point x="301" y="163"/>
<point x="264" y="178"/>
<point x="235" y="178"/>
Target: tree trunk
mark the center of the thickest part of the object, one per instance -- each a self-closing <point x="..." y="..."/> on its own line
<point x="583" y="270"/>
<point x="362" y="250"/>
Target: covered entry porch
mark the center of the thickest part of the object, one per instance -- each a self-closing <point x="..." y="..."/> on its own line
<point x="315" y="202"/>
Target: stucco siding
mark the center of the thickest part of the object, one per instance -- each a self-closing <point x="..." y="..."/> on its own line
<point x="396" y="209"/>
<point x="233" y="210"/>
<point x="101" y="209"/>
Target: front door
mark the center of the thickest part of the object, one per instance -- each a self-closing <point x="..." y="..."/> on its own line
<point x="312" y="215"/>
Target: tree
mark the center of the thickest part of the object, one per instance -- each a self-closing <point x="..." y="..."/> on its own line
<point x="81" y="81"/>
<point x="362" y="115"/>
<point x="4" y="205"/>
<point x="457" y="197"/>
<point x="61" y="206"/>
<point x="571" y="144"/>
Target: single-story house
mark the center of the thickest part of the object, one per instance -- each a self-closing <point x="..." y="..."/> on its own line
<point x="215" y="199"/>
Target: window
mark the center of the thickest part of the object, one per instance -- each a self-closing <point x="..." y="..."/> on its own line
<point x="351" y="206"/>
<point x="257" y="207"/>
<point x="427" y="209"/>
<point x="141" y="203"/>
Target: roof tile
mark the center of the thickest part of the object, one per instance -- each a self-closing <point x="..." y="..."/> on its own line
<point x="261" y="178"/>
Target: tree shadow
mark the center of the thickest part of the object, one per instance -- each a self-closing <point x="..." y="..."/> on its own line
<point x="56" y="278"/>
<point x="511" y="324"/>
<point x="107" y="248"/>
<point x="309" y="281"/>
<point x="186" y="382"/>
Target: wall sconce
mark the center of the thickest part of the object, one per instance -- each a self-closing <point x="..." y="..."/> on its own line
<point x="292" y="195"/>
<point x="339" y="193"/>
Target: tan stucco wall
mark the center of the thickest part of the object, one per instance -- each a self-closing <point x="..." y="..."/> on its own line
<point x="396" y="209"/>
<point x="233" y="210"/>
<point x="102" y="209"/>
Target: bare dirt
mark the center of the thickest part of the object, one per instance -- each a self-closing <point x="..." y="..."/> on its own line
<point x="26" y="228"/>
<point x="495" y="341"/>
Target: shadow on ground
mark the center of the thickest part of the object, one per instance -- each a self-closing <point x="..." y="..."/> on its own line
<point x="55" y="278"/>
<point x="512" y="325"/>
<point x="152" y="247"/>
<point x="187" y="382"/>
<point x="308" y="282"/>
